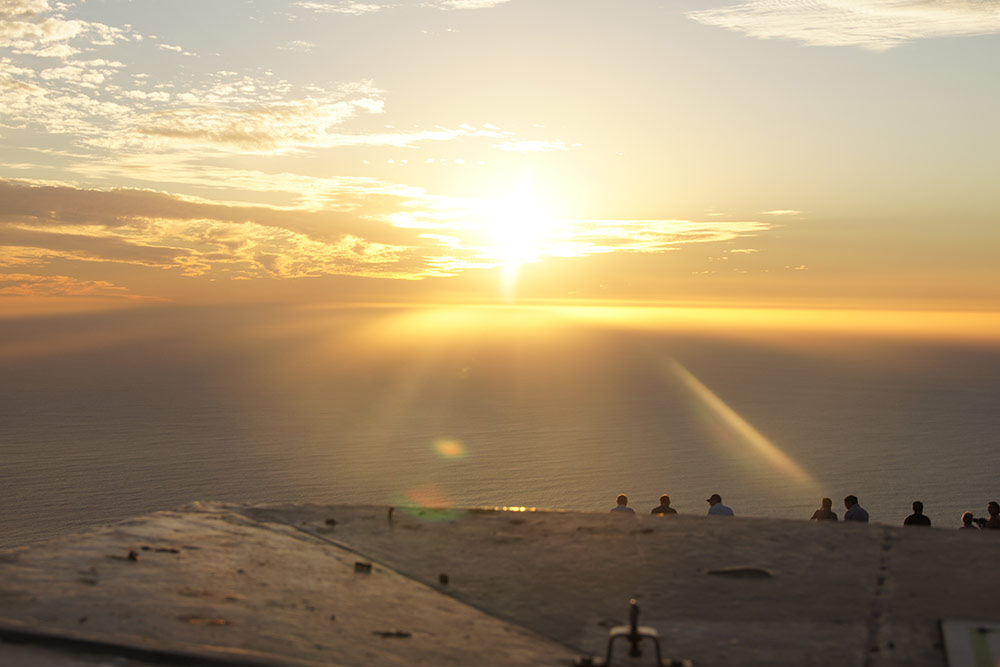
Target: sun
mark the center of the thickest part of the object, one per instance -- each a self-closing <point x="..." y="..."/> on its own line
<point x="519" y="228"/>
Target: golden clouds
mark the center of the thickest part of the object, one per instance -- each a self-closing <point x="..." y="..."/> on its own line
<point x="152" y="230"/>
<point x="268" y="128"/>
<point x="189" y="239"/>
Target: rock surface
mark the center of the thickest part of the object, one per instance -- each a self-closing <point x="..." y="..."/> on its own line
<point x="308" y="585"/>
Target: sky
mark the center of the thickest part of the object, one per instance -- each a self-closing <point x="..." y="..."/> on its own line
<point x="779" y="153"/>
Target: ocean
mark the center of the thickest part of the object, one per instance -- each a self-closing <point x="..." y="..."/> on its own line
<point x="113" y="414"/>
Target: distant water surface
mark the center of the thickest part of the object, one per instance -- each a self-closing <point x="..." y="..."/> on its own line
<point x="109" y="415"/>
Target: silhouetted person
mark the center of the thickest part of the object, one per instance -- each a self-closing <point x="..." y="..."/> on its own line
<point x="622" y="505"/>
<point x="967" y="520"/>
<point x="855" y="512"/>
<point x="715" y="506"/>
<point x="825" y="512"/>
<point x="918" y="518"/>
<point x="664" y="507"/>
<point x="993" y="523"/>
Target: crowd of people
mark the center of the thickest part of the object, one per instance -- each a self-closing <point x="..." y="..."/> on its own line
<point x="854" y="512"/>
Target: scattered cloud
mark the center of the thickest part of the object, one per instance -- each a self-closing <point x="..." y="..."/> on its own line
<point x="298" y="45"/>
<point x="36" y="27"/>
<point x="344" y="7"/>
<point x="466" y="4"/>
<point x="876" y="25"/>
<point x="782" y="211"/>
<point x="175" y="49"/>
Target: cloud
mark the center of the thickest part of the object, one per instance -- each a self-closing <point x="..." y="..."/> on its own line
<point x="32" y="27"/>
<point x="271" y="127"/>
<point x="346" y="7"/>
<point x="358" y="8"/>
<point x="876" y="25"/>
<point x="28" y="285"/>
<point x="175" y="49"/>
<point x="41" y="224"/>
<point x="21" y="8"/>
<point x="74" y="73"/>
<point x="588" y="237"/>
<point x="104" y="110"/>
<point x="299" y="46"/>
<point x="466" y="4"/>
<point x="90" y="101"/>
<point x="782" y="211"/>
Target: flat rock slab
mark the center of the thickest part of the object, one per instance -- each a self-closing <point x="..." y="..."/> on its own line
<point x="219" y="584"/>
<point x="209" y="585"/>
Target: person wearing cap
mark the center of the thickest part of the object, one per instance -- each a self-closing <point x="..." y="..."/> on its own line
<point x="622" y="505"/>
<point x="855" y="512"/>
<point x="716" y="507"/>
<point x="664" y="506"/>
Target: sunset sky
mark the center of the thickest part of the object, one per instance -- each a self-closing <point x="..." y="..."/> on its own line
<point x="839" y="153"/>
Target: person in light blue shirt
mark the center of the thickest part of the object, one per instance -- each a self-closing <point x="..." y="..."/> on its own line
<point x="855" y="512"/>
<point x="622" y="505"/>
<point x="716" y="508"/>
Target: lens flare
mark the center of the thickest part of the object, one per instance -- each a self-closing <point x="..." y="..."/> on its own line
<point x="428" y="502"/>
<point x="747" y="433"/>
<point x="450" y="449"/>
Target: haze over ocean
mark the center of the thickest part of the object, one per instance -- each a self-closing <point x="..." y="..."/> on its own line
<point x="121" y="413"/>
<point x="574" y="248"/>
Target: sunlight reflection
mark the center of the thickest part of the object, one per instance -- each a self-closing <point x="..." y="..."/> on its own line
<point x="747" y="433"/>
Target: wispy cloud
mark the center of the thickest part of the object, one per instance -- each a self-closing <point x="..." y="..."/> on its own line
<point x="343" y="7"/>
<point x="24" y="284"/>
<point x="298" y="45"/>
<point x="357" y="8"/>
<point x="782" y="211"/>
<point x="588" y="237"/>
<point x="877" y="25"/>
<point x="466" y="4"/>
<point x="271" y="127"/>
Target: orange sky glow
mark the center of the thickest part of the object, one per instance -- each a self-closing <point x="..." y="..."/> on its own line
<point x="735" y="163"/>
